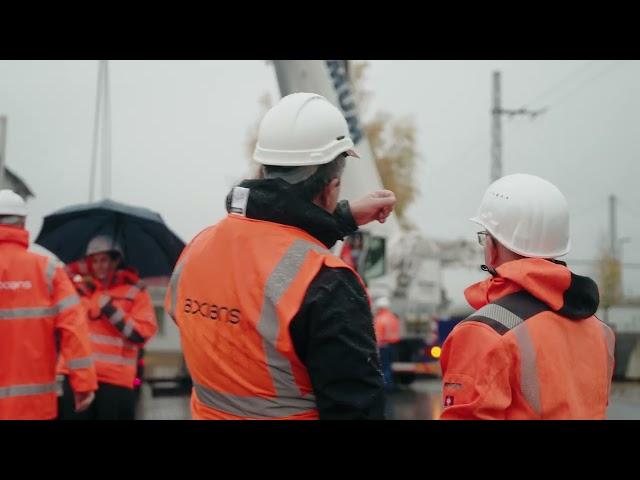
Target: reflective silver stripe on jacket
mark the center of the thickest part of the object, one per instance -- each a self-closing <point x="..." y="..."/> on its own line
<point x="116" y="316"/>
<point x="70" y="301"/>
<point x="117" y="359"/>
<point x="50" y="273"/>
<point x="39" y="312"/>
<point x="288" y="400"/>
<point x="128" y="329"/>
<point x="24" y="390"/>
<point x="529" y="380"/>
<point x="173" y="286"/>
<point x="107" y="340"/>
<point x="499" y="314"/>
<point x="133" y="292"/>
<point x="254" y="407"/>
<point x="79" y="363"/>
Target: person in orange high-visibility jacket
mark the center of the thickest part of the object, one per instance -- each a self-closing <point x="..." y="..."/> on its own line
<point x="272" y="324"/>
<point x="38" y="305"/>
<point x="352" y="250"/>
<point x="387" y="327"/>
<point x="386" y="324"/>
<point x="533" y="349"/>
<point x="121" y="321"/>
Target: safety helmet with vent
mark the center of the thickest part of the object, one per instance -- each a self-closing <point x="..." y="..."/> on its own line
<point x="526" y="214"/>
<point x="302" y="129"/>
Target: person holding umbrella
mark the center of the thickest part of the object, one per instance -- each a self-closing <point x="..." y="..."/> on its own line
<point x="97" y="240"/>
<point x="121" y="321"/>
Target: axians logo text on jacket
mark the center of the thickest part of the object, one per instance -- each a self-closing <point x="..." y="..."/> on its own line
<point x="15" y="285"/>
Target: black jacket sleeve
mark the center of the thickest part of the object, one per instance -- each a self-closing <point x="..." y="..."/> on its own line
<point x="334" y="338"/>
<point x="345" y="222"/>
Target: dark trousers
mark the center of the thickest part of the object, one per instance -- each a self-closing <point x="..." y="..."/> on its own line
<point x="111" y="403"/>
<point x="387" y="357"/>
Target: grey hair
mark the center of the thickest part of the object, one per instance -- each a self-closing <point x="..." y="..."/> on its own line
<point x="308" y="180"/>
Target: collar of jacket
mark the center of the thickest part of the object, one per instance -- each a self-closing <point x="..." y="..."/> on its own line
<point x="274" y="200"/>
<point x="566" y="293"/>
<point x="127" y="276"/>
<point x="17" y="235"/>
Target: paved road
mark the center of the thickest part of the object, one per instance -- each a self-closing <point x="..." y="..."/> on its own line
<point x="421" y="401"/>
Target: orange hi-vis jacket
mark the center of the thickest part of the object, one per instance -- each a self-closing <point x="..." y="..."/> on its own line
<point x="38" y="302"/>
<point x="233" y="294"/>
<point x="121" y="321"/>
<point x="532" y="350"/>
<point x="387" y="327"/>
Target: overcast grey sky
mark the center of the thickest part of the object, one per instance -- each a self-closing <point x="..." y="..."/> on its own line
<point x="179" y="130"/>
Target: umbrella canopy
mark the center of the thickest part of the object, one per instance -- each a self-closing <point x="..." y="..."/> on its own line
<point x="149" y="246"/>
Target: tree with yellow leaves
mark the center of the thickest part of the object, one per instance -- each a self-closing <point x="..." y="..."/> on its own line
<point x="609" y="280"/>
<point x="393" y="144"/>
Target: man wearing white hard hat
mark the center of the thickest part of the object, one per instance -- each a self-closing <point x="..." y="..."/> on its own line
<point x="272" y="324"/>
<point x="533" y="349"/>
<point x="37" y="303"/>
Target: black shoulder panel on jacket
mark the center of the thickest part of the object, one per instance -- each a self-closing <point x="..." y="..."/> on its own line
<point x="508" y="312"/>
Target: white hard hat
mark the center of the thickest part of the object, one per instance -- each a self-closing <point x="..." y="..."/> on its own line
<point x="12" y="204"/>
<point x="302" y="129"/>
<point x="526" y="214"/>
<point x="103" y="244"/>
<point x="382" y="302"/>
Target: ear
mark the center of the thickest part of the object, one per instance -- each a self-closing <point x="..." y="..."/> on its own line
<point x="327" y="193"/>
<point x="492" y="251"/>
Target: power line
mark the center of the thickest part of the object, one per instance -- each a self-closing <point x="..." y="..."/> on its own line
<point x="497" y="112"/>
<point x="575" y="72"/>
<point x="555" y="86"/>
<point x="572" y="91"/>
<point x="589" y="80"/>
<point x="627" y="209"/>
<point x="458" y="159"/>
<point x="478" y="141"/>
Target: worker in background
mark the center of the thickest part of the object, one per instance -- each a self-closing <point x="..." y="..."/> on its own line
<point x="533" y="349"/>
<point x="37" y="302"/>
<point x="272" y="324"/>
<point x="387" y="328"/>
<point x="352" y="250"/>
<point x="121" y="321"/>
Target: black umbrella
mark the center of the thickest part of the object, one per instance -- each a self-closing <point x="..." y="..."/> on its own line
<point x="149" y="246"/>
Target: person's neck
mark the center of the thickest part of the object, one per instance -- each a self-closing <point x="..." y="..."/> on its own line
<point x="505" y="256"/>
<point x="107" y="281"/>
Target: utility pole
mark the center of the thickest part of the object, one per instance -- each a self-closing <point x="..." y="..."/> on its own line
<point x="496" y="126"/>
<point x="106" y="135"/>
<point x="3" y="143"/>
<point x="102" y="134"/>
<point x="613" y="234"/>
<point x="616" y="244"/>
<point x="496" y="131"/>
